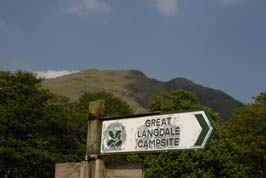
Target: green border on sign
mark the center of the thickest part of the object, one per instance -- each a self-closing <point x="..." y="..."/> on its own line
<point x="199" y="141"/>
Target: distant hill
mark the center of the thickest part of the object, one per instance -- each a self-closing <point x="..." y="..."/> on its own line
<point x="137" y="89"/>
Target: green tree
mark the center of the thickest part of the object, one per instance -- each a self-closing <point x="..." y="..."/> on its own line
<point x="114" y="106"/>
<point x="220" y="159"/>
<point x="37" y="129"/>
<point x="248" y="129"/>
<point x="179" y="100"/>
<point x="174" y="101"/>
<point x="261" y="99"/>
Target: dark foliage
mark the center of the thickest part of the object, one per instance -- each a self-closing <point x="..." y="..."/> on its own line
<point x="248" y="129"/>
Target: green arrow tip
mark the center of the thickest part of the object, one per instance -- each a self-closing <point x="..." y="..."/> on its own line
<point x="204" y="131"/>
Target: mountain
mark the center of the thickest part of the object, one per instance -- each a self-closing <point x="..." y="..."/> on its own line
<point x="137" y="89"/>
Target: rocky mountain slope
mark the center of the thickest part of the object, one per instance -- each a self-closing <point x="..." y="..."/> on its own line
<point x="137" y="89"/>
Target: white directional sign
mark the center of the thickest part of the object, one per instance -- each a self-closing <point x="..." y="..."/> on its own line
<point x="187" y="130"/>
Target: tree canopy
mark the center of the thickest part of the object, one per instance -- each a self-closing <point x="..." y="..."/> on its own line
<point x="114" y="106"/>
<point x="248" y="129"/>
<point x="174" y="101"/>
<point x="39" y="129"/>
<point x="179" y="100"/>
<point x="220" y="159"/>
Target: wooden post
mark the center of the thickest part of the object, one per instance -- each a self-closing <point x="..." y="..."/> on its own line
<point x="93" y="167"/>
<point x="72" y="170"/>
<point x="124" y="170"/>
<point x="99" y="169"/>
<point x="96" y="166"/>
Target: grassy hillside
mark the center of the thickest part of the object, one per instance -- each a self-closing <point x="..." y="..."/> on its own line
<point x="136" y="88"/>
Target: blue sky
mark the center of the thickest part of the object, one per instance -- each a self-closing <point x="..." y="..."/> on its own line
<point x="216" y="43"/>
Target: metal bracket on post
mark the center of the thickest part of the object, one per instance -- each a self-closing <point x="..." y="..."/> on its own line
<point x="92" y="157"/>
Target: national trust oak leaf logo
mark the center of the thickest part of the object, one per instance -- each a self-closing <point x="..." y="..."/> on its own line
<point x="114" y="137"/>
<point x="115" y="140"/>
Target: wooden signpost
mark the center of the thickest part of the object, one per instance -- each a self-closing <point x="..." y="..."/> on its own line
<point x="153" y="132"/>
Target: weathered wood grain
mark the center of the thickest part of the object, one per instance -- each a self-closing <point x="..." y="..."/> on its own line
<point x="99" y="169"/>
<point x="71" y="170"/>
<point x="96" y="109"/>
<point x="124" y="170"/>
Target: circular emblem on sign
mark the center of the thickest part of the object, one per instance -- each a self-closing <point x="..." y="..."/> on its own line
<point x="114" y="136"/>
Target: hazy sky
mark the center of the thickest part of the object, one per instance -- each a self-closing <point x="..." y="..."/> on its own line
<point x="217" y="43"/>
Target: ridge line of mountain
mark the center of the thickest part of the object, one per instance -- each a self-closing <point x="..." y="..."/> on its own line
<point x="137" y="89"/>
